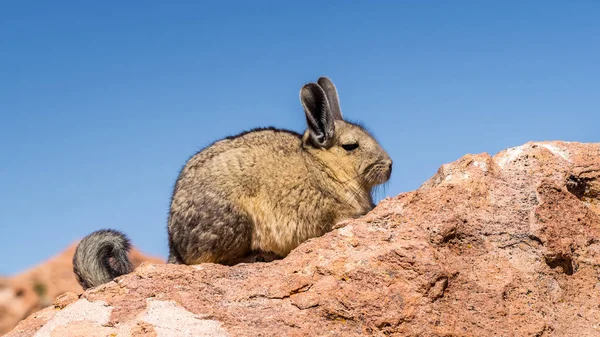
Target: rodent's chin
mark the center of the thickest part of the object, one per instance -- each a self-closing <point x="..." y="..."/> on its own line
<point x="378" y="173"/>
<point x="381" y="177"/>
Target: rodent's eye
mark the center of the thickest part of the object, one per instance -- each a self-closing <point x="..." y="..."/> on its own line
<point x="350" y="147"/>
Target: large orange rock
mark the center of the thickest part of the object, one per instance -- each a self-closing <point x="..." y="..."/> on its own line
<point x="490" y="246"/>
<point x="37" y="288"/>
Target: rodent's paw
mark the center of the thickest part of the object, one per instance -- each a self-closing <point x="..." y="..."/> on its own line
<point x="260" y="257"/>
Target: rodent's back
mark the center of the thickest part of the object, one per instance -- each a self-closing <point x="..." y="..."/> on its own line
<point x="241" y="164"/>
<point x="260" y="176"/>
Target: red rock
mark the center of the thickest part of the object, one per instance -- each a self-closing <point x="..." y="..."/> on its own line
<point x="65" y="299"/>
<point x="38" y="287"/>
<point x="506" y="245"/>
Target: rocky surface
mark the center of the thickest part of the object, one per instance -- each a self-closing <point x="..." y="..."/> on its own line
<point x="489" y="246"/>
<point x="37" y="288"/>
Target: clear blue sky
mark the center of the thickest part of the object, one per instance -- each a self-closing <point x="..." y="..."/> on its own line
<point x="102" y="103"/>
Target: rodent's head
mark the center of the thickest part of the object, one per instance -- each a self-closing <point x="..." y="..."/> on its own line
<point x="346" y="148"/>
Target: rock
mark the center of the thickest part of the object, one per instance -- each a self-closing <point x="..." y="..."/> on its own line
<point x="37" y="288"/>
<point x="65" y="299"/>
<point x="489" y="246"/>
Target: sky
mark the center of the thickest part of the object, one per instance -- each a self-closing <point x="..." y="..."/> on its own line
<point x="102" y="103"/>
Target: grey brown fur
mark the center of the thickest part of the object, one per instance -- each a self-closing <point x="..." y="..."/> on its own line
<point x="264" y="192"/>
<point x="100" y="257"/>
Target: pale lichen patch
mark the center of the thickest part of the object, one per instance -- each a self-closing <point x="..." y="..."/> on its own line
<point x="557" y="151"/>
<point x="346" y="231"/>
<point x="170" y="319"/>
<point x="96" y="313"/>
<point x="509" y="155"/>
<point x="457" y="177"/>
<point x="481" y="164"/>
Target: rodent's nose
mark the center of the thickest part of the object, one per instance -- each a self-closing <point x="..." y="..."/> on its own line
<point x="388" y="162"/>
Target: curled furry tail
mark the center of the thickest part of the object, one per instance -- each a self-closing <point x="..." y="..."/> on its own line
<point x="100" y="257"/>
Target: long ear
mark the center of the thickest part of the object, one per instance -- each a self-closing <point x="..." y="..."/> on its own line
<point x="318" y="115"/>
<point x="332" y="97"/>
